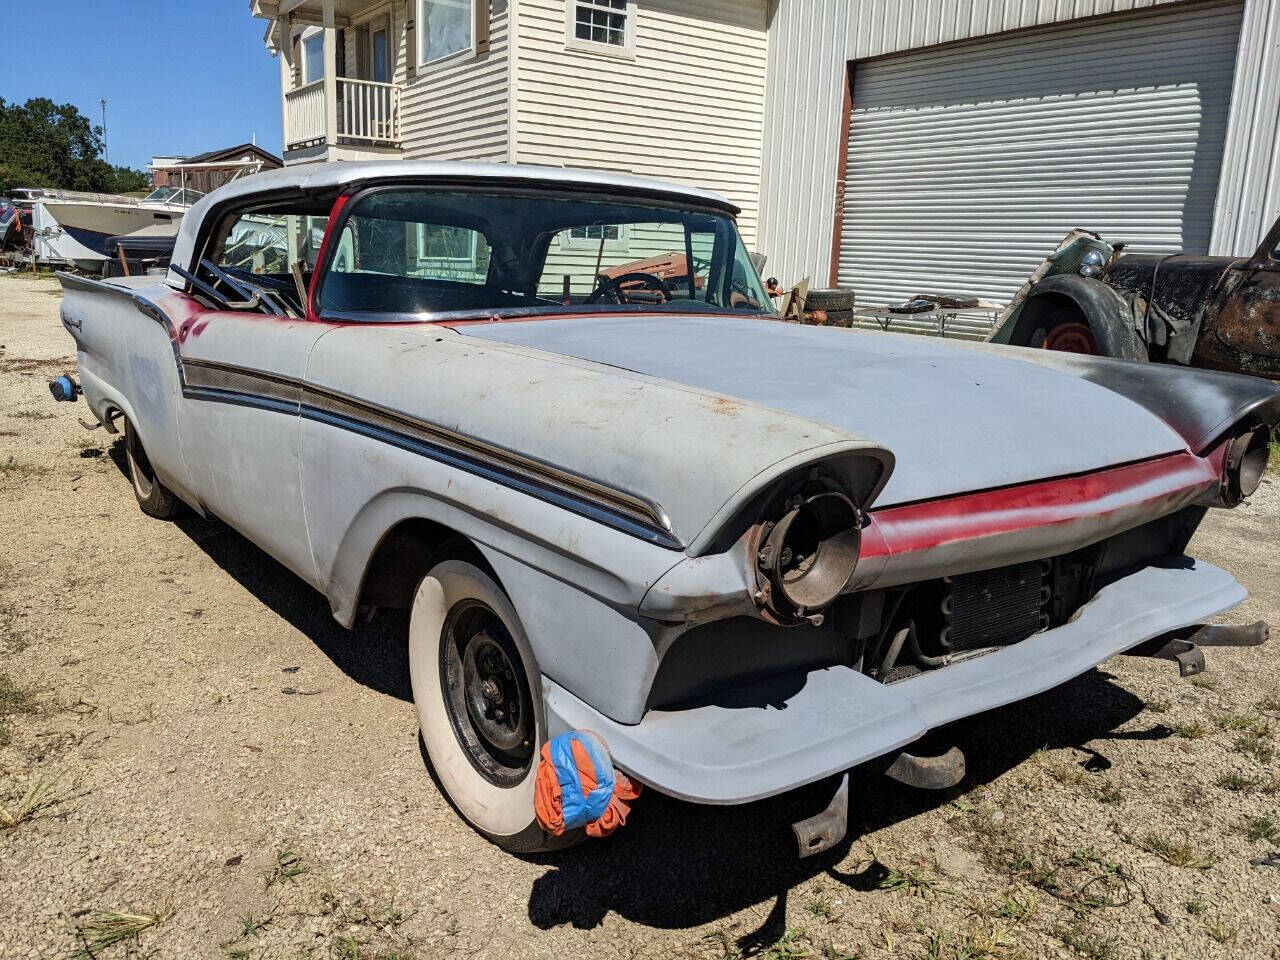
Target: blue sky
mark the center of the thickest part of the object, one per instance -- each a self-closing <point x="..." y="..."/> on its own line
<point x="180" y="76"/>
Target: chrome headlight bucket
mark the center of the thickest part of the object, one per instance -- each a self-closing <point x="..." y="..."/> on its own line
<point x="807" y="556"/>
<point x="1245" y="465"/>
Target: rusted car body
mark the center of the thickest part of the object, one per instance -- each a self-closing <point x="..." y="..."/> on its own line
<point x="1220" y="313"/>
<point x="749" y="554"/>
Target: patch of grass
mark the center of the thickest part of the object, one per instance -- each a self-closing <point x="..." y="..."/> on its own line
<point x="1067" y="775"/>
<point x="1221" y="931"/>
<point x="1017" y="908"/>
<point x="792" y="945"/>
<point x="1159" y="706"/>
<point x="1237" y="782"/>
<point x="106" y="928"/>
<point x="1260" y="828"/>
<point x="1238" y="721"/>
<point x="1256" y="742"/>
<point x="14" y="700"/>
<point x="40" y="796"/>
<point x="1088" y="943"/>
<point x="913" y="881"/>
<point x="1270" y="703"/>
<point x="288" y="866"/>
<point x="1191" y="731"/>
<point x="1197" y="907"/>
<point x="1203" y="682"/>
<point x="16" y="468"/>
<point x="1109" y="793"/>
<point x="1176" y="852"/>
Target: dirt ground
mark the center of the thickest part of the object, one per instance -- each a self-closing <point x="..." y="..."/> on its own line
<point x="212" y="767"/>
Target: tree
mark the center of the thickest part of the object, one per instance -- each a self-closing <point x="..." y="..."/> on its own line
<point x="45" y="144"/>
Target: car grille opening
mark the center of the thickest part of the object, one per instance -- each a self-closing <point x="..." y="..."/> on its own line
<point x="994" y="608"/>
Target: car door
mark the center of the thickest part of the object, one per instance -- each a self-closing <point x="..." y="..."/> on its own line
<point x="243" y="372"/>
<point x="1249" y="319"/>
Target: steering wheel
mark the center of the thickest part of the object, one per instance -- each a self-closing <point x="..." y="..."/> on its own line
<point x="613" y="287"/>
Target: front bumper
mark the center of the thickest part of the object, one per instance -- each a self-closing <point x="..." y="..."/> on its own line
<point x="768" y="737"/>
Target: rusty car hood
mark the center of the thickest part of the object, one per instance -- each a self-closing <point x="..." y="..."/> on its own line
<point x="958" y="417"/>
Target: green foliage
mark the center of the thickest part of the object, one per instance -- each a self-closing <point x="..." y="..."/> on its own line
<point x="46" y="144"/>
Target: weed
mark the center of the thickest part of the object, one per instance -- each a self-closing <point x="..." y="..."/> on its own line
<point x="1237" y="782"/>
<point x="14" y="700"/>
<point x="15" y="468"/>
<point x="914" y="881"/>
<point x="1191" y="731"/>
<point x="831" y="952"/>
<point x="1221" y="931"/>
<point x="1256" y="742"/>
<point x="1159" y="706"/>
<point x="821" y="907"/>
<point x="1087" y="943"/>
<point x="1068" y="775"/>
<point x="106" y="928"/>
<point x="1197" y="907"/>
<point x="288" y="866"/>
<point x="1260" y="828"/>
<point x="1204" y="683"/>
<point x="251" y="926"/>
<point x="1270" y="703"/>
<point x="792" y="945"/>
<point x="1110" y="793"/>
<point x="31" y="415"/>
<point x="40" y="796"/>
<point x="1179" y="853"/>
<point x="1017" y="908"/>
<point x="1238" y="721"/>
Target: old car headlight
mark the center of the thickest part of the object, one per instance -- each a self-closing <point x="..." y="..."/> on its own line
<point x="1091" y="264"/>
<point x="807" y="556"/>
<point x="1246" y="463"/>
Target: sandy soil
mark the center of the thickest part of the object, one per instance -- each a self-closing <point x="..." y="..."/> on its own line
<point x="243" y="776"/>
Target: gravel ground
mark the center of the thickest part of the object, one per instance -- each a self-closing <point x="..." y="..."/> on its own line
<point x="228" y="773"/>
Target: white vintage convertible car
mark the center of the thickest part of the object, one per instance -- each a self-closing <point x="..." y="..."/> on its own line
<point x="553" y="414"/>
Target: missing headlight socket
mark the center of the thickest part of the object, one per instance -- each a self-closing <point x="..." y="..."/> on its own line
<point x="805" y="557"/>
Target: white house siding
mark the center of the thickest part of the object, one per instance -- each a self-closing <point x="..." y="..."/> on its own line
<point x="689" y="107"/>
<point x="456" y="109"/>
<point x="811" y="41"/>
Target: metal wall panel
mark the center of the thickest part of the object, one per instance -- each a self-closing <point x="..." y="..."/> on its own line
<point x="811" y="41"/>
<point x="968" y="163"/>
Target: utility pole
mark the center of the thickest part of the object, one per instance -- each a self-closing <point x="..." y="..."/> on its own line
<point x="106" y="151"/>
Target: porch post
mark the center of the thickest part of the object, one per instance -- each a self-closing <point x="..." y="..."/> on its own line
<point x="284" y="44"/>
<point x="330" y="74"/>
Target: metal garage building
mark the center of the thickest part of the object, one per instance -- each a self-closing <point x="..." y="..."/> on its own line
<point x="947" y="146"/>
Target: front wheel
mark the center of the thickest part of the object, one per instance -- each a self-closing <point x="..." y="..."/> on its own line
<point x="479" y="706"/>
<point x="155" y="499"/>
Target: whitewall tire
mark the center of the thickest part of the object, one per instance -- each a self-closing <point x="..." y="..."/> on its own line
<point x="475" y="687"/>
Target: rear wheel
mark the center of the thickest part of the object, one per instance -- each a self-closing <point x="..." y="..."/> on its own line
<point x="154" y="497"/>
<point x="479" y="706"/>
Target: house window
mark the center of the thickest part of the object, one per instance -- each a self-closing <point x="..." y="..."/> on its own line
<point x="444" y="28"/>
<point x="597" y="231"/>
<point x="313" y="58"/>
<point x="601" y="21"/>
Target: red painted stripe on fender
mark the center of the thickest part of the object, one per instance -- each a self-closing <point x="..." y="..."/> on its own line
<point x="922" y="526"/>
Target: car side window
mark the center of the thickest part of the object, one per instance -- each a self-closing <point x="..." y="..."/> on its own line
<point x="410" y="248"/>
<point x="267" y="242"/>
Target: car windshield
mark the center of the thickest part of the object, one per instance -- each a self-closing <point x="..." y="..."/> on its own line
<point x="173" y="195"/>
<point x="453" y="254"/>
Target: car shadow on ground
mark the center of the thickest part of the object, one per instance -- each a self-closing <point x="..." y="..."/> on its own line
<point x="677" y="864"/>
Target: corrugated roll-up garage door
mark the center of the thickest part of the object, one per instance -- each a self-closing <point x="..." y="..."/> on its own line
<point x="967" y="164"/>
